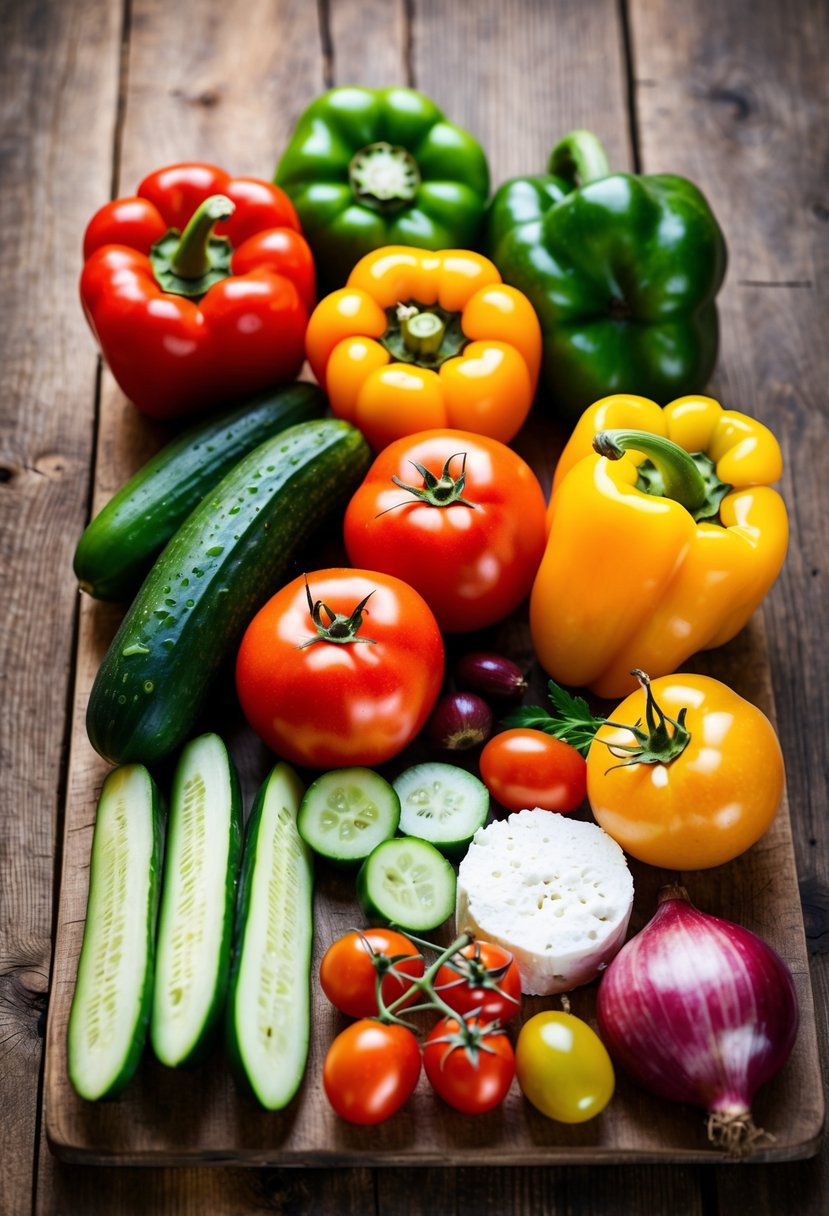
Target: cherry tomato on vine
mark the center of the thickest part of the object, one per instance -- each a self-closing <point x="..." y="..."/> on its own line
<point x="342" y="669"/>
<point x="524" y="768"/>
<point x="487" y="982"/>
<point x="370" y="1070"/>
<point x="459" y="517"/>
<point x="350" y="966"/>
<point x="563" y="1067"/>
<point x="470" y="1065"/>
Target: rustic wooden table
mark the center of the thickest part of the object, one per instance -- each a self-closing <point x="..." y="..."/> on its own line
<point x="97" y="92"/>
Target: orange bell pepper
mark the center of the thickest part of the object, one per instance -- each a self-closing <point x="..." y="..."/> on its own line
<point x="418" y="340"/>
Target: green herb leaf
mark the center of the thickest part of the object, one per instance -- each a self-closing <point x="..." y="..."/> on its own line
<point x="573" y="722"/>
<point x="532" y="716"/>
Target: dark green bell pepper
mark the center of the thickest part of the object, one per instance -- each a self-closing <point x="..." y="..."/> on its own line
<point x="372" y="167"/>
<point x="622" y="270"/>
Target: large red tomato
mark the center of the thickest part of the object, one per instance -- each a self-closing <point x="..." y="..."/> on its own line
<point x="458" y="516"/>
<point x="340" y="670"/>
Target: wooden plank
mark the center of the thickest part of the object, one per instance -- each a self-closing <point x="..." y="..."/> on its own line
<point x="369" y="42"/>
<point x="56" y="161"/>
<point x="756" y="142"/>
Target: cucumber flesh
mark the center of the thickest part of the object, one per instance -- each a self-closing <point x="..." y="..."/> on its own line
<point x="269" y="1007"/>
<point x="347" y="812"/>
<point x="407" y="882"/>
<point x="443" y="804"/>
<point x="113" y="993"/>
<point x="197" y="901"/>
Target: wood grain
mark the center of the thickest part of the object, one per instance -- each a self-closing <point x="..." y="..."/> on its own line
<point x="756" y="143"/>
<point x="56" y="139"/>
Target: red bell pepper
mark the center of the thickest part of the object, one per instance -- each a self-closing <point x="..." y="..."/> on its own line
<point x="198" y="289"/>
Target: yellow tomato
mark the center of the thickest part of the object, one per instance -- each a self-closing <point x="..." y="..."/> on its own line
<point x="710" y="802"/>
<point x="563" y="1067"/>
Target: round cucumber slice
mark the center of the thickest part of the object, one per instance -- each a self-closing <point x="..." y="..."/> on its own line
<point x="346" y="813"/>
<point x="406" y="882"/>
<point x="443" y="804"/>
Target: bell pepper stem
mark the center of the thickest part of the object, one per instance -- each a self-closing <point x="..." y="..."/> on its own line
<point x="681" y="479"/>
<point x="191" y="260"/>
<point x="579" y="158"/>
<point x="422" y="333"/>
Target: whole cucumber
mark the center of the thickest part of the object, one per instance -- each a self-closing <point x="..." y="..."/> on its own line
<point x="120" y="544"/>
<point x="227" y="557"/>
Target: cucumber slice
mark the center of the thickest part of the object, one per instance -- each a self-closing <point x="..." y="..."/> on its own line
<point x="113" y="993"/>
<point x="269" y="1008"/>
<point x="406" y="882"/>
<point x="346" y="813"/>
<point x="443" y="804"/>
<point x="197" y="899"/>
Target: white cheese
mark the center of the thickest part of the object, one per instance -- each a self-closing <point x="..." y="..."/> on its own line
<point x="555" y="891"/>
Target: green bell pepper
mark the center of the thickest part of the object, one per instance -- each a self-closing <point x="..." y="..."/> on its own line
<point x="372" y="167"/>
<point x="622" y="270"/>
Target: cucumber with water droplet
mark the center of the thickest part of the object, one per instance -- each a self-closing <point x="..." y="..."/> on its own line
<point x="120" y="544"/>
<point x="269" y="1004"/>
<point x="113" y="992"/>
<point x="227" y="557"/>
<point x="198" y="894"/>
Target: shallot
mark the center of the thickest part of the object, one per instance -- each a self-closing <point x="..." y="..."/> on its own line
<point x="698" y="1009"/>
<point x="492" y="675"/>
<point x="459" y="721"/>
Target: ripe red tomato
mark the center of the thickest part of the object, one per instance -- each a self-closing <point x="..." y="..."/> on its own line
<point x="370" y="1070"/>
<point x="486" y="981"/>
<point x="349" y="683"/>
<point x="527" y="768"/>
<point x="470" y="541"/>
<point x="350" y="966"/>
<point x="473" y="1076"/>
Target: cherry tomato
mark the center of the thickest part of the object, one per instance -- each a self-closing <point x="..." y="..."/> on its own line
<point x="487" y="982"/>
<point x="528" y="768"/>
<point x="470" y="541"/>
<point x="350" y="966"/>
<point x="370" y="1070"/>
<point x="469" y="1064"/>
<point x="710" y="803"/>
<point x="563" y="1067"/>
<point x="348" y="679"/>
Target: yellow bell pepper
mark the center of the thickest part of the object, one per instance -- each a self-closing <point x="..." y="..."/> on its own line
<point x="418" y="340"/>
<point x="653" y="555"/>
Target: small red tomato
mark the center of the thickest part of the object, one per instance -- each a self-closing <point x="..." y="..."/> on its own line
<point x="370" y="1070"/>
<point x="469" y="1064"/>
<point x="350" y="966"/>
<point x="527" y="768"/>
<point x="482" y="978"/>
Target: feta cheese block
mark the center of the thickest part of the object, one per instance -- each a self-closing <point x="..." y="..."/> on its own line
<point x="555" y="891"/>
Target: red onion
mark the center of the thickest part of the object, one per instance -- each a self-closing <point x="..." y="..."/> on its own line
<point x="492" y="675"/>
<point x="460" y="720"/>
<point x="700" y="1010"/>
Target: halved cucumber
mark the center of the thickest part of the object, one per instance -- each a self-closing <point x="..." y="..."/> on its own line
<point x="443" y="804"/>
<point x="269" y="1007"/>
<point x="197" y="901"/>
<point x="113" y="992"/>
<point x="406" y="882"/>
<point x="346" y="813"/>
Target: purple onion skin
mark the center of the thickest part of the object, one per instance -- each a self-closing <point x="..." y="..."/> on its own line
<point x="491" y="675"/>
<point x="700" y="1010"/>
<point x="459" y="721"/>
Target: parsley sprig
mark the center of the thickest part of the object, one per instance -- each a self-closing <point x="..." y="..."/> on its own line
<point x="572" y="721"/>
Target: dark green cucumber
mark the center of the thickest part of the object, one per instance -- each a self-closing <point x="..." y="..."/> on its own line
<point x="227" y="557"/>
<point x="198" y="897"/>
<point x="122" y="541"/>
<point x="113" y="993"/>
<point x="269" y="1003"/>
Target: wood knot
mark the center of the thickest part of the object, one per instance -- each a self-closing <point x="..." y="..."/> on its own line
<point x="814" y="898"/>
<point x="739" y="99"/>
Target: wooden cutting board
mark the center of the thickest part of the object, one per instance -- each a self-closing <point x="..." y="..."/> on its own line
<point x="167" y="1117"/>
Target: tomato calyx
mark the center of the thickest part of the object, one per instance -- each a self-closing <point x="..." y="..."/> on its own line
<point x="340" y="628"/>
<point x="467" y="1034"/>
<point x="443" y="491"/>
<point x="472" y="972"/>
<point x="664" y="740"/>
